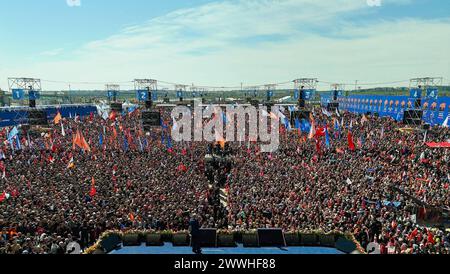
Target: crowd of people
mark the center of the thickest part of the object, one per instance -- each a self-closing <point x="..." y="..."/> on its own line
<point x="52" y="192"/>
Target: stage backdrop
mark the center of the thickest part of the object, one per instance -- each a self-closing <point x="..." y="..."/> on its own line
<point x="17" y="116"/>
<point x="435" y="111"/>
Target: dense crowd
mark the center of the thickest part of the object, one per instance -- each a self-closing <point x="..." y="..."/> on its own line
<point x="53" y="193"/>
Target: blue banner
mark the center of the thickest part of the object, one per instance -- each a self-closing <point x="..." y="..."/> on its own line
<point x="296" y="94"/>
<point x="435" y="111"/>
<point x="111" y="94"/>
<point x="432" y="93"/>
<point x="33" y="95"/>
<point x="179" y="94"/>
<point x="415" y="93"/>
<point x="17" y="94"/>
<point x="142" y="95"/>
<point x="270" y="94"/>
<point x="309" y="94"/>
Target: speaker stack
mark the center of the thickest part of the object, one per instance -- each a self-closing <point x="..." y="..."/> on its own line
<point x="32" y="103"/>
<point x="148" y="104"/>
<point x="332" y="107"/>
<point x="300" y="115"/>
<point x="271" y="237"/>
<point x="37" y="118"/>
<point x="413" y="117"/>
<point x="117" y="107"/>
<point x="151" y="119"/>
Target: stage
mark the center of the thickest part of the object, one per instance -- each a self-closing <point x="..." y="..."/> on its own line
<point x="168" y="248"/>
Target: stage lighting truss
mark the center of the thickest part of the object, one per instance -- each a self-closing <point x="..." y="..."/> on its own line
<point x="197" y="91"/>
<point x="29" y="84"/>
<point x="145" y="84"/>
<point x="181" y="90"/>
<point x="339" y="88"/>
<point x="270" y="90"/>
<point x="112" y="90"/>
<point x="252" y="91"/>
<point x="148" y="85"/>
<point x="426" y="82"/>
<point x="423" y="85"/>
<point x="306" y="83"/>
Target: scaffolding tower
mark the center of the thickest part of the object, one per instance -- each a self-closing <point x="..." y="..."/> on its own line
<point x="147" y="85"/>
<point x="306" y="83"/>
<point x="417" y="88"/>
<point x="32" y="85"/>
<point x="181" y="91"/>
<point x="112" y="90"/>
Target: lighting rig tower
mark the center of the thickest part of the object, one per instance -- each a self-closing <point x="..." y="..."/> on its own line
<point x="181" y="91"/>
<point x="427" y="84"/>
<point x="251" y="92"/>
<point x="17" y="86"/>
<point x="337" y="90"/>
<point x="304" y="87"/>
<point x="419" y="86"/>
<point x="197" y="91"/>
<point x="112" y="90"/>
<point x="270" y="89"/>
<point x="144" y="90"/>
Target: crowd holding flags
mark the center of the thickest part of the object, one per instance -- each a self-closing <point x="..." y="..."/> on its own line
<point x="79" y="141"/>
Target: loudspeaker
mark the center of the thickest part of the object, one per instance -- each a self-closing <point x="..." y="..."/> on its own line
<point x="208" y="237"/>
<point x="166" y="100"/>
<point x="148" y="104"/>
<point x="250" y="240"/>
<point x="116" y="107"/>
<point x="271" y="237"/>
<point x="131" y="240"/>
<point x="300" y="115"/>
<point x="32" y="103"/>
<point x="332" y="107"/>
<point x="110" y="243"/>
<point x="153" y="239"/>
<point x="180" y="239"/>
<point x="37" y="118"/>
<point x="301" y="103"/>
<point x="151" y="119"/>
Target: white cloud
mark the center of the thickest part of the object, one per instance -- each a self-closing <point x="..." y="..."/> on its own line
<point x="223" y="44"/>
<point x="73" y="3"/>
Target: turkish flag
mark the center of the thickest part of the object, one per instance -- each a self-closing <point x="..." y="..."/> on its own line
<point x="320" y="132"/>
<point x="351" y="144"/>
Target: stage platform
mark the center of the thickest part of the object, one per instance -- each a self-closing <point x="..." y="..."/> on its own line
<point x="168" y="248"/>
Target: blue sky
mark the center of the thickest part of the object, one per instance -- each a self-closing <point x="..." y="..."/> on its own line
<point x="223" y="43"/>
